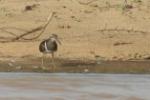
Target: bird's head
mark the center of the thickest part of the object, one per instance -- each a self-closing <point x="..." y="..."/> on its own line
<point x="54" y="37"/>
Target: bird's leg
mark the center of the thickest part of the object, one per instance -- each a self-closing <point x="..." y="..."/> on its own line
<point x="42" y="60"/>
<point x="53" y="62"/>
<point x="42" y="65"/>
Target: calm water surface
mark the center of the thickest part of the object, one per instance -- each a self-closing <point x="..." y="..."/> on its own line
<point x="62" y="86"/>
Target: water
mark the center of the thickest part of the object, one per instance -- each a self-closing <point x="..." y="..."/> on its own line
<point x="62" y="86"/>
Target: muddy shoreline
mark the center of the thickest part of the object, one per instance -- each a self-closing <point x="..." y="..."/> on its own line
<point x="75" y="66"/>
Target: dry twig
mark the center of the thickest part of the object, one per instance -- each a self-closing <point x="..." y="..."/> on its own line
<point x="42" y="28"/>
<point x="22" y="36"/>
<point x="86" y="3"/>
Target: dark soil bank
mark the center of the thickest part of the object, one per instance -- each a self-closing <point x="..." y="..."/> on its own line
<point x="74" y="66"/>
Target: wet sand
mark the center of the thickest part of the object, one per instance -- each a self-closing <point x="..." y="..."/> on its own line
<point x="74" y="66"/>
<point x="62" y="86"/>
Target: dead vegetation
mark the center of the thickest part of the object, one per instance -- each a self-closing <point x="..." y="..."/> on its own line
<point x="41" y="29"/>
<point x="22" y="36"/>
<point x="122" y="43"/>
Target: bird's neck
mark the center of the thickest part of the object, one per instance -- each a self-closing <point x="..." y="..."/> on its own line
<point x="52" y="39"/>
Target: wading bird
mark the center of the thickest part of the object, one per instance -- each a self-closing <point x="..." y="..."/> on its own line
<point x="49" y="46"/>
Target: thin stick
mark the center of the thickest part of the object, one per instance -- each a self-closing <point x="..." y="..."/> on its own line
<point x="36" y="29"/>
<point x="11" y="33"/>
<point x="19" y="29"/>
<point x="44" y="27"/>
<point x="87" y="3"/>
<point x="22" y="36"/>
<point x="27" y="33"/>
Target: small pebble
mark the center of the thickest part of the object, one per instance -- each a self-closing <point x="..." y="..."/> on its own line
<point x="86" y="70"/>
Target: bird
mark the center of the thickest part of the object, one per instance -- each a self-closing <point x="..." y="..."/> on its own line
<point x="49" y="46"/>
